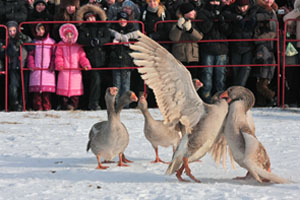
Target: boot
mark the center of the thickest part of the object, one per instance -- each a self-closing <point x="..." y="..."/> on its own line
<point x="262" y="88"/>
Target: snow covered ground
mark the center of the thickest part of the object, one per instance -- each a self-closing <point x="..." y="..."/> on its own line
<point x="43" y="156"/>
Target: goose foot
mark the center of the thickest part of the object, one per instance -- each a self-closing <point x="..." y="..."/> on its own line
<point x="101" y="167"/>
<point x="99" y="163"/>
<point x="179" y="173"/>
<point x="108" y="161"/>
<point x="125" y="160"/>
<point x="188" y="170"/>
<point x="157" y="159"/>
<point x="121" y="157"/>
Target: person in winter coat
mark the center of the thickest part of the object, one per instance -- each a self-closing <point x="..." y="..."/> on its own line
<point x="15" y="41"/>
<point x="69" y="57"/>
<point x="264" y="51"/>
<point x="119" y="5"/>
<point x="242" y="18"/>
<point x="293" y="73"/>
<point x="93" y="36"/>
<point x="214" y="27"/>
<point x="13" y="10"/>
<point x="65" y="12"/>
<point x="39" y="12"/>
<point x="185" y="30"/>
<point x="41" y="64"/>
<point x="119" y="54"/>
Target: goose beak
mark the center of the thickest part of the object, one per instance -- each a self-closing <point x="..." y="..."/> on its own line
<point x="113" y="90"/>
<point x="225" y="96"/>
<point x="133" y="97"/>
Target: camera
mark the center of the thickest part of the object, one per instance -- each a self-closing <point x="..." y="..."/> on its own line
<point x="281" y="11"/>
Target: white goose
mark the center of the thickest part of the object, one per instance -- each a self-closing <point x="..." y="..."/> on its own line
<point x="246" y="149"/>
<point x="110" y="138"/>
<point x="179" y="102"/>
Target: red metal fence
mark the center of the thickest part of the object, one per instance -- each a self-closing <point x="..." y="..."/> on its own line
<point x="280" y="90"/>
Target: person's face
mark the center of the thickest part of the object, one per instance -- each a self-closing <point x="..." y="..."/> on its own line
<point x="40" y="7"/>
<point x="269" y="2"/>
<point x="217" y="3"/>
<point x="128" y="10"/>
<point x="110" y="2"/>
<point x="123" y="22"/>
<point x="12" y="32"/>
<point x="70" y="9"/>
<point x="190" y="15"/>
<point x="244" y="8"/>
<point x="153" y="3"/>
<point x="41" y="31"/>
<point x="91" y="18"/>
<point x="69" y="37"/>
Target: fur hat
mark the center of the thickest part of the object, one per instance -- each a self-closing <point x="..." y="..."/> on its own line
<point x="186" y="8"/>
<point x="65" y="3"/>
<point x="66" y="28"/>
<point x="89" y="8"/>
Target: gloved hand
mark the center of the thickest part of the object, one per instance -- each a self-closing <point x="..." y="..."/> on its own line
<point x="95" y="42"/>
<point x="187" y="25"/>
<point x="180" y="22"/>
<point x="239" y="17"/>
<point x="117" y="36"/>
<point x="124" y="38"/>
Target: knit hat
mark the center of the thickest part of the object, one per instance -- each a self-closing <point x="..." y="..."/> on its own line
<point x="186" y="8"/>
<point x="39" y="1"/>
<point x="66" y="28"/>
<point x="242" y="2"/>
<point x="128" y="3"/>
<point x="12" y="24"/>
<point x="122" y="15"/>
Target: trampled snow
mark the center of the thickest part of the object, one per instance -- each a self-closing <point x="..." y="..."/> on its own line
<point x="43" y="156"/>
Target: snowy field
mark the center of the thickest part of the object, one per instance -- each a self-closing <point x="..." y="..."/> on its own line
<point x="43" y="156"/>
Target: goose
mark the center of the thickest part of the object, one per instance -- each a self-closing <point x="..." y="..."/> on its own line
<point x="110" y="138"/>
<point x="158" y="133"/>
<point x="179" y="102"/>
<point x="246" y="149"/>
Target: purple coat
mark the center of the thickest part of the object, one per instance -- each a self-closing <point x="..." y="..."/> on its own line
<point x="42" y="58"/>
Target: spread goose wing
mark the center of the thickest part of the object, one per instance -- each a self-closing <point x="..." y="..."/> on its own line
<point x="170" y="81"/>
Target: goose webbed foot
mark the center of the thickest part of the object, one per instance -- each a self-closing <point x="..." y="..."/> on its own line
<point x="188" y="170"/>
<point x="157" y="159"/>
<point x="121" y="163"/>
<point x="99" y="163"/>
<point x="125" y="160"/>
<point x="179" y="173"/>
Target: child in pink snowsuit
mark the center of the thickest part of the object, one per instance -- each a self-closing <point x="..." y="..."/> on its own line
<point x="41" y="63"/>
<point x="69" y="57"/>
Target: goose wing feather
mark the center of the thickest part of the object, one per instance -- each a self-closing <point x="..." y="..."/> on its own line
<point x="171" y="82"/>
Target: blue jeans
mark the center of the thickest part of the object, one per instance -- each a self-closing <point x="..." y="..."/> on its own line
<point x="241" y="74"/>
<point x="213" y="78"/>
<point x="121" y="80"/>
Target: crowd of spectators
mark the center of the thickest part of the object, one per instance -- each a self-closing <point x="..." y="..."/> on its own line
<point x="66" y="52"/>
